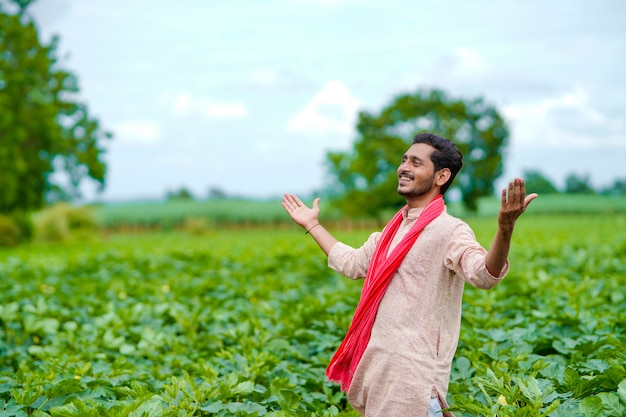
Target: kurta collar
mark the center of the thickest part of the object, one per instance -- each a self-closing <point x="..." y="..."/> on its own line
<point x="411" y="214"/>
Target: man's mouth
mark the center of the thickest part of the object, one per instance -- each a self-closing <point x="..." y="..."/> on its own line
<point x="404" y="178"/>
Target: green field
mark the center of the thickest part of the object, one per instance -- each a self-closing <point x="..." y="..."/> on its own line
<point x="169" y="215"/>
<point x="243" y="323"/>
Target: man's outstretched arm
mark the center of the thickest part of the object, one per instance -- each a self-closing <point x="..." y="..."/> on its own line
<point x="307" y="217"/>
<point x="514" y="203"/>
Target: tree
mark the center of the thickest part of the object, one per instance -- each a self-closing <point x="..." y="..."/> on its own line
<point x="578" y="184"/>
<point x="365" y="179"/>
<point x="617" y="188"/>
<point x="44" y="129"/>
<point x="180" y="194"/>
<point x="216" y="193"/>
<point x="536" y="182"/>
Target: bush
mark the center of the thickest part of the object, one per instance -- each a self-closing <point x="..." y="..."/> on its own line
<point x="62" y="222"/>
<point x="9" y="231"/>
<point x="24" y="223"/>
<point x="196" y="226"/>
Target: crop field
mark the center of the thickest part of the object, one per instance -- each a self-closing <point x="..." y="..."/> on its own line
<point x="169" y="215"/>
<point x="244" y="322"/>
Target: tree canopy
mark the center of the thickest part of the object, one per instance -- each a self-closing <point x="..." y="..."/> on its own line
<point x="578" y="184"/>
<point x="364" y="180"/>
<point x="44" y="129"/>
<point x="538" y="182"/>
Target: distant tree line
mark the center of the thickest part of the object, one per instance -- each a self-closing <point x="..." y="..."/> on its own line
<point x="535" y="180"/>
<point x="574" y="184"/>
<point x="183" y="193"/>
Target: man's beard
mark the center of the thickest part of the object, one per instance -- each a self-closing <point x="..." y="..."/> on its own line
<point x="423" y="187"/>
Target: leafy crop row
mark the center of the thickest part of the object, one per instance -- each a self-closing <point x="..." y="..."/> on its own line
<point x="551" y="339"/>
<point x="182" y="332"/>
<point x="243" y="324"/>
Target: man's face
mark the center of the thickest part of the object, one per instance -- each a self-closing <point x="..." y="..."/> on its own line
<point x="416" y="173"/>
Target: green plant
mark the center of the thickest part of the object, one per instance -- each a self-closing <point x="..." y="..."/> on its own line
<point x="62" y="222"/>
<point x="9" y="231"/>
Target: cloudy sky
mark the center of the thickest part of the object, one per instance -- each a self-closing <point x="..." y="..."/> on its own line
<point x="248" y="96"/>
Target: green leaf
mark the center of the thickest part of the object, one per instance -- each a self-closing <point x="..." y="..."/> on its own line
<point x="553" y="370"/>
<point x="597" y="366"/>
<point x="288" y="399"/>
<point x="64" y="387"/>
<point x="591" y="407"/>
<point x="614" y="375"/>
<point x="247" y="407"/>
<point x="243" y="388"/>
<point x="621" y="391"/>
<point x="464" y="368"/>
<point x="152" y="408"/>
<point x="612" y="403"/>
<point x="565" y="345"/>
<point x="11" y="409"/>
<point x="213" y="407"/>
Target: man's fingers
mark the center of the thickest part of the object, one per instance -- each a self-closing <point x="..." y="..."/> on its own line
<point x="295" y="200"/>
<point x="529" y="198"/>
<point x="291" y="202"/>
<point x="515" y="193"/>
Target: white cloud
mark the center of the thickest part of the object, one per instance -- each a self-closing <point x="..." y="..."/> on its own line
<point x="185" y="104"/>
<point x="332" y="110"/>
<point x="138" y="131"/>
<point x="567" y="120"/>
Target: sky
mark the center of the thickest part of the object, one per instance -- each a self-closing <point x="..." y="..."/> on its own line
<point x="249" y="96"/>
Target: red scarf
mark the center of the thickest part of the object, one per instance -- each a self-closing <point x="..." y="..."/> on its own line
<point x="379" y="274"/>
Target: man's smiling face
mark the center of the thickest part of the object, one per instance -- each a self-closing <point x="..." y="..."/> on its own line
<point x="416" y="173"/>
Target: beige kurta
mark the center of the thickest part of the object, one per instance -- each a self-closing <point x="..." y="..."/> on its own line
<point x="416" y="331"/>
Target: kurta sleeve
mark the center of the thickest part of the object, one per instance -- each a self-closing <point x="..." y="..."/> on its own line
<point x="466" y="257"/>
<point x="352" y="262"/>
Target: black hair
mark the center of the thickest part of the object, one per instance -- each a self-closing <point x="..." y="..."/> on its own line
<point x="445" y="155"/>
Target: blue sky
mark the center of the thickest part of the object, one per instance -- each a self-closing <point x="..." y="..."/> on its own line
<point x="248" y="96"/>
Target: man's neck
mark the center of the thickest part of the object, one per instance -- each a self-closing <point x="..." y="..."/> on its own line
<point x="423" y="200"/>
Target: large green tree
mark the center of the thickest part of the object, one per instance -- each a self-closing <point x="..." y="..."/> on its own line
<point x="578" y="184"/>
<point x="364" y="179"/>
<point x="539" y="183"/>
<point x="44" y="129"/>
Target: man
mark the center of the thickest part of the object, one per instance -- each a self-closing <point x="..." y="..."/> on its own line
<point x="397" y="355"/>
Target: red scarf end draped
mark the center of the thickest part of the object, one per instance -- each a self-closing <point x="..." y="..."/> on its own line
<point x="341" y="375"/>
<point x="379" y="274"/>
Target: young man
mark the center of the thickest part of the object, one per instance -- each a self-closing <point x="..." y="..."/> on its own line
<point x="396" y="357"/>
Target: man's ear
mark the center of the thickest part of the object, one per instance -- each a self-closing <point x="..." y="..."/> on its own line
<point x="442" y="176"/>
